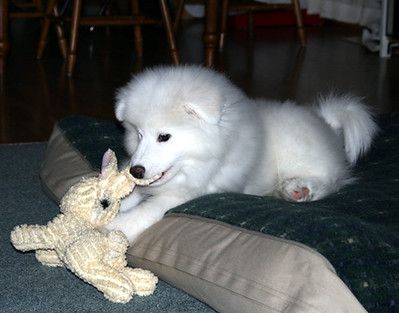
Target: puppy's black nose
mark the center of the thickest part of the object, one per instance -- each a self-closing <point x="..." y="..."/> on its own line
<point x="137" y="171"/>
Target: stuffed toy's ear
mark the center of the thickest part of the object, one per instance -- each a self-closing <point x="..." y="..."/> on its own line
<point x="109" y="162"/>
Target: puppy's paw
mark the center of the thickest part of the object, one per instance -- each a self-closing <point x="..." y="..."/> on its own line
<point x="111" y="226"/>
<point x="306" y="189"/>
<point x="296" y="190"/>
<point x="298" y="195"/>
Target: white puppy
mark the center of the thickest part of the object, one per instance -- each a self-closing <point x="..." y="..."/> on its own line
<point x="203" y="135"/>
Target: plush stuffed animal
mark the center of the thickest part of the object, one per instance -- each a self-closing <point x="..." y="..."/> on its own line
<point x="73" y="239"/>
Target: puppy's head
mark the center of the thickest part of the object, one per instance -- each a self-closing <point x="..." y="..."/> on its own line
<point x="171" y="115"/>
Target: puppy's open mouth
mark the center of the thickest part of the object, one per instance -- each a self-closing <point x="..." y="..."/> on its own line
<point x="149" y="181"/>
<point x="157" y="177"/>
<point x="146" y="181"/>
<point x="161" y="176"/>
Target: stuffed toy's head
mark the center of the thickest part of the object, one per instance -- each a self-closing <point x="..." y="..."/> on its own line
<point x="96" y="200"/>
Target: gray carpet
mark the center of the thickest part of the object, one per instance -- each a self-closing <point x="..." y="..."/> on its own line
<point x="28" y="286"/>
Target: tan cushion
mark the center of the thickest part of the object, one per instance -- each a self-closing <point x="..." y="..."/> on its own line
<point x="237" y="270"/>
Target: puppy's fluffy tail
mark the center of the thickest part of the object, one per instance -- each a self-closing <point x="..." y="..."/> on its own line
<point x="348" y="116"/>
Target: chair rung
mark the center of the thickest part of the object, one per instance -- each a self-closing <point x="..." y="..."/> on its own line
<point x="114" y="20"/>
<point x="27" y="5"/>
<point x="26" y="14"/>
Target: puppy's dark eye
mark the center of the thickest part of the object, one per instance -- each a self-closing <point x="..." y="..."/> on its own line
<point x="105" y="203"/>
<point x="163" y="137"/>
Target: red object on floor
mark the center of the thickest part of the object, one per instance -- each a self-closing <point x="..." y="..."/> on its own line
<point x="275" y="18"/>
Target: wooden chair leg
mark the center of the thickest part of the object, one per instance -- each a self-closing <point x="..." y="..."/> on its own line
<point x="211" y="34"/>
<point x="4" y="44"/>
<point x="292" y="91"/>
<point x="62" y="43"/>
<point x="167" y="23"/>
<point x="138" y="37"/>
<point x="251" y="22"/>
<point x="40" y="5"/>
<point x="73" y="42"/>
<point x="223" y="23"/>
<point x="52" y="9"/>
<point x="108" y="9"/>
<point x="178" y="15"/>
<point x="45" y="28"/>
<point x="299" y="22"/>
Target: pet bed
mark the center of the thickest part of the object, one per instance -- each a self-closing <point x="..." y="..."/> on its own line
<point x="242" y="253"/>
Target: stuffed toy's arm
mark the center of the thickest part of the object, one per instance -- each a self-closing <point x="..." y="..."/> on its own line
<point x="118" y="245"/>
<point x="48" y="257"/>
<point x="31" y="237"/>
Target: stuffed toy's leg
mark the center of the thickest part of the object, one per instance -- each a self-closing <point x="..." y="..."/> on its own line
<point x="115" y="285"/>
<point x="144" y="281"/>
<point x="87" y="258"/>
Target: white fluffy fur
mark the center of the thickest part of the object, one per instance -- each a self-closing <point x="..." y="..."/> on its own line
<point x="221" y="141"/>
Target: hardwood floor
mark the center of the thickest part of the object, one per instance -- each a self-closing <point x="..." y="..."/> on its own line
<point x="34" y="94"/>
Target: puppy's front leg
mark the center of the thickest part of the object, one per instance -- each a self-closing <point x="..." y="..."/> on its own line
<point x="134" y="221"/>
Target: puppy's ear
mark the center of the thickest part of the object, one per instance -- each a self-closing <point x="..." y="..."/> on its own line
<point x="209" y="111"/>
<point x="120" y="109"/>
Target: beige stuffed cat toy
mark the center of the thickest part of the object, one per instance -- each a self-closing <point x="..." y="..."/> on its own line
<point x="73" y="239"/>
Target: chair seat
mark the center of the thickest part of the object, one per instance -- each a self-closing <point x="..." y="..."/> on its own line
<point x="136" y="19"/>
<point x="250" y="5"/>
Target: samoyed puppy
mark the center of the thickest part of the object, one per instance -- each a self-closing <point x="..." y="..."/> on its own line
<point x="201" y="135"/>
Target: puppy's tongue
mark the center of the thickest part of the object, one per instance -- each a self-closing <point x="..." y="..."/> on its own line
<point x="146" y="181"/>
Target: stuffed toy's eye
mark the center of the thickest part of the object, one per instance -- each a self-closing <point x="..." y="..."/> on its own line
<point x="163" y="137"/>
<point x="105" y="203"/>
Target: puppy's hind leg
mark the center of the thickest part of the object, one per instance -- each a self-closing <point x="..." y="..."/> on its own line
<point x="305" y="189"/>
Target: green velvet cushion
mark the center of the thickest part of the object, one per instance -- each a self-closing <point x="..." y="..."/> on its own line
<point x="357" y="230"/>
